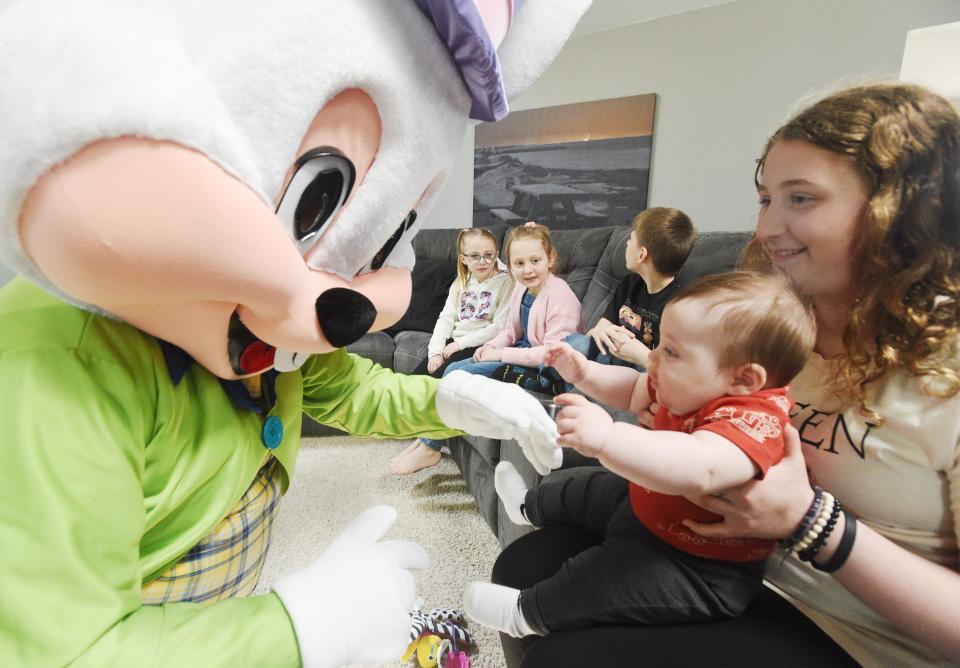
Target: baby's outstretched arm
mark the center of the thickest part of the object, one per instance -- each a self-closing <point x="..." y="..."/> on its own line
<point x="670" y="462"/>
<point x="612" y="385"/>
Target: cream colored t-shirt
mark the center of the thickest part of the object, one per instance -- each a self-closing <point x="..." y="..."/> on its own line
<point x="901" y="479"/>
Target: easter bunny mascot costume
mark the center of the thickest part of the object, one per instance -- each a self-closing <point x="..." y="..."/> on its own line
<point x="206" y="201"/>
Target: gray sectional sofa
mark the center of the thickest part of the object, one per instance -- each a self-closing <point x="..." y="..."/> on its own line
<point x="590" y="260"/>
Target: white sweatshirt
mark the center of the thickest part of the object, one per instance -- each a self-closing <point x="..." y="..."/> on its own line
<point x="473" y="316"/>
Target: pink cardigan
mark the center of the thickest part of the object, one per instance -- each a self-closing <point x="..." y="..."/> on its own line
<point x="554" y="315"/>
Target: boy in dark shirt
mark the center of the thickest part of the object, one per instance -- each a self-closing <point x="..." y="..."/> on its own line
<point x="659" y="244"/>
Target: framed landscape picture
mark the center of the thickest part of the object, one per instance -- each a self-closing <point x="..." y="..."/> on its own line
<point x="570" y="166"/>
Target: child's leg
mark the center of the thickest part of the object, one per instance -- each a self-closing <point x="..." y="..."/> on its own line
<point x="630" y="579"/>
<point x="586" y="346"/>
<point x="459" y="356"/>
<point x="497" y="607"/>
<point x="512" y="490"/>
<point x="422" y="453"/>
<point x="586" y="497"/>
<point x="479" y="368"/>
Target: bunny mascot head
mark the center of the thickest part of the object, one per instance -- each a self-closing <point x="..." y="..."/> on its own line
<point x="201" y="192"/>
<point x="241" y="177"/>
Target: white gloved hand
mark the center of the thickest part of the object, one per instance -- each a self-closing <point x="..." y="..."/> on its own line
<point x="485" y="407"/>
<point x="352" y="604"/>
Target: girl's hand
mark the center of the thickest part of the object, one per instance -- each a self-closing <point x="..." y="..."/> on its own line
<point x="570" y="364"/>
<point x="583" y="425"/>
<point x="450" y="349"/>
<point x="434" y="362"/>
<point x="768" y="508"/>
<point x="487" y="354"/>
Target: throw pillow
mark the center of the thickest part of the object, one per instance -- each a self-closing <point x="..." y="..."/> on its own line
<point x="431" y="282"/>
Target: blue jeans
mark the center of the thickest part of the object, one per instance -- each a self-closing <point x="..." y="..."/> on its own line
<point x="586" y="346"/>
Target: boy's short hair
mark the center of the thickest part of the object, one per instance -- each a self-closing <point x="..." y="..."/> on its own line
<point x="764" y="320"/>
<point x="667" y="234"/>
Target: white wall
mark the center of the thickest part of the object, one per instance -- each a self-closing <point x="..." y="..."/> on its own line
<point x="725" y="76"/>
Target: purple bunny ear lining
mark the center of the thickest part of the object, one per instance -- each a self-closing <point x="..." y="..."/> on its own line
<point x="461" y="29"/>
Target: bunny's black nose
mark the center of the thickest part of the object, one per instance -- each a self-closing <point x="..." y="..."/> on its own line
<point x="344" y="315"/>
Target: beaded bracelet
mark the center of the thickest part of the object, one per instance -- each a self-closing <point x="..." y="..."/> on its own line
<point x="840" y="555"/>
<point x="805" y="524"/>
<point x="810" y="552"/>
<point x="813" y="533"/>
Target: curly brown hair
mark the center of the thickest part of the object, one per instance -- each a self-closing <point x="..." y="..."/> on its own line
<point x="904" y="141"/>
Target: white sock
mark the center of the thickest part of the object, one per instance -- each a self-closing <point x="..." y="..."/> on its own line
<point x="512" y="491"/>
<point x="496" y="607"/>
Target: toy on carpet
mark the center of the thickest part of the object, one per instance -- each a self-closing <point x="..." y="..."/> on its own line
<point x="436" y="637"/>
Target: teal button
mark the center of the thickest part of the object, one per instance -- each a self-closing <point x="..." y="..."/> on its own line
<point x="272" y="432"/>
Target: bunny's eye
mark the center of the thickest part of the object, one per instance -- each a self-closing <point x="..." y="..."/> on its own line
<point x="319" y="187"/>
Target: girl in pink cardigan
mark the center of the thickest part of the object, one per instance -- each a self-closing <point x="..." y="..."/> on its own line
<point x="543" y="309"/>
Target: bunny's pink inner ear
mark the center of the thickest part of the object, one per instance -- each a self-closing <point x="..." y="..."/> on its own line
<point x="496" y="15"/>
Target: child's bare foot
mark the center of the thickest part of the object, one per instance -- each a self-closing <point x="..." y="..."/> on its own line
<point x="410" y="448"/>
<point x="416" y="457"/>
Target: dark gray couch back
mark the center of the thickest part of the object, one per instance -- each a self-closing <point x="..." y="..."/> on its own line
<point x="713" y="252"/>
<point x="591" y="260"/>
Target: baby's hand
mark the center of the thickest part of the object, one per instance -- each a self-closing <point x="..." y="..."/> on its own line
<point x="571" y="365"/>
<point x="583" y="425"/>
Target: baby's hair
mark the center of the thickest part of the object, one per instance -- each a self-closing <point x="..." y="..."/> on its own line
<point x="667" y="234"/>
<point x="532" y="230"/>
<point x="463" y="274"/>
<point x="764" y="320"/>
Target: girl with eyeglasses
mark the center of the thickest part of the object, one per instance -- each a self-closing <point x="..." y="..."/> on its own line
<point x="476" y="310"/>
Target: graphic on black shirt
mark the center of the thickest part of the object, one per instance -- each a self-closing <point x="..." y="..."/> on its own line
<point x="634" y="308"/>
<point x="641" y="324"/>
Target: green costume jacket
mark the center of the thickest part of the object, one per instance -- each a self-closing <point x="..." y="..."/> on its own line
<point x="111" y="472"/>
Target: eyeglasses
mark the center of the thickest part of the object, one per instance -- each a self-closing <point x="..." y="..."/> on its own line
<point x="474" y="258"/>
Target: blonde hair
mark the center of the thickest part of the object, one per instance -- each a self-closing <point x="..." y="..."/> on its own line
<point x="667" y="234"/>
<point x="764" y="320"/>
<point x="904" y="141"/>
<point x="463" y="273"/>
<point x="532" y="230"/>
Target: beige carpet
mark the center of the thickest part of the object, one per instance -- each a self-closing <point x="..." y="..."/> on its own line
<point x="339" y="476"/>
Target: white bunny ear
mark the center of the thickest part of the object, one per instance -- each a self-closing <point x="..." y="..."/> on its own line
<point x="538" y="31"/>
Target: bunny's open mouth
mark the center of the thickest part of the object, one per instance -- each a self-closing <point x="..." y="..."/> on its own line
<point x="248" y="354"/>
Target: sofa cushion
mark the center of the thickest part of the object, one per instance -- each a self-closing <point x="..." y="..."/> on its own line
<point x="377" y="346"/>
<point x="411" y="348"/>
<point x="431" y="278"/>
<point x="713" y="252"/>
<point x="441" y="244"/>
<point x="610" y="271"/>
<point x="578" y="254"/>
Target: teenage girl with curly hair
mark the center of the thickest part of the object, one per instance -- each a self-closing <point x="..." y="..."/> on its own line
<point x="860" y="206"/>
